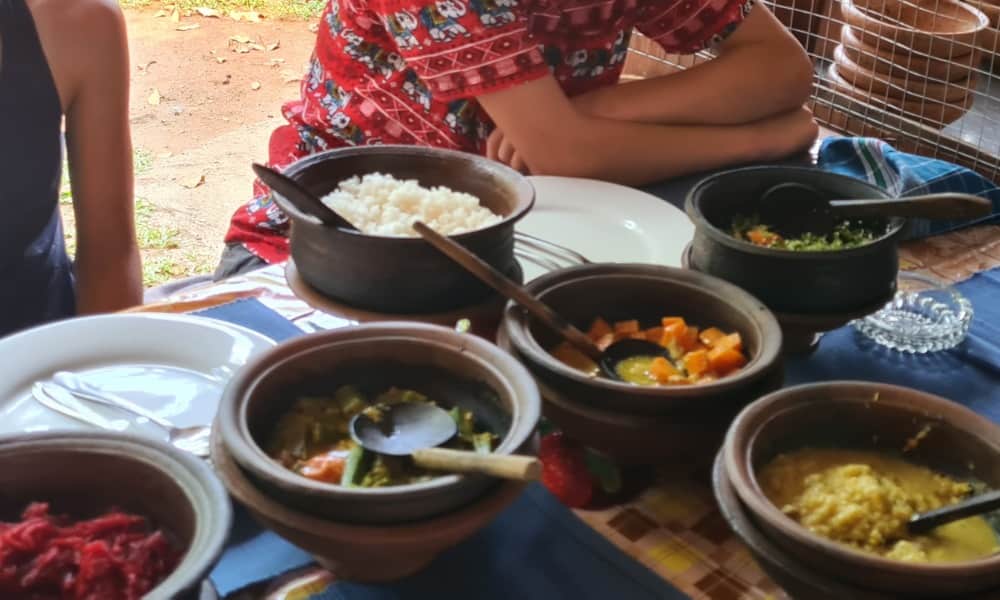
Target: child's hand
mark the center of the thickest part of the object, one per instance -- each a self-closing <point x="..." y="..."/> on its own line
<point x="786" y="134"/>
<point x="500" y="149"/>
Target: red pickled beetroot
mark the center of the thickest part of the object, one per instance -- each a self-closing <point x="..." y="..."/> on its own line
<point x="112" y="557"/>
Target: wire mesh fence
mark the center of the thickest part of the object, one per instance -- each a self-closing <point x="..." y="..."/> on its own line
<point x="917" y="73"/>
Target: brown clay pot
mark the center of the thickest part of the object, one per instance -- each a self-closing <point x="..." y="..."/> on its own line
<point x="942" y="28"/>
<point x="907" y="89"/>
<point x="85" y="474"/>
<point x="396" y="274"/>
<point x="454" y="369"/>
<point x="364" y="553"/>
<point x="900" y="61"/>
<point x="874" y="417"/>
<point x="936" y="114"/>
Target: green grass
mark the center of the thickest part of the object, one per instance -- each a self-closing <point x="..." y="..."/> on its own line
<point x="158" y="244"/>
<point x="275" y="9"/>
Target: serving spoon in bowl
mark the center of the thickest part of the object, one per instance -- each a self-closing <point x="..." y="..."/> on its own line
<point x="608" y="359"/>
<point x="793" y="209"/>
<point x="976" y="505"/>
<point x="416" y="429"/>
<point x="291" y="193"/>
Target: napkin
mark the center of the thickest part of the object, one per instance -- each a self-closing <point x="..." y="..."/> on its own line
<point x="901" y="174"/>
<point x="537" y="548"/>
<point x="968" y="374"/>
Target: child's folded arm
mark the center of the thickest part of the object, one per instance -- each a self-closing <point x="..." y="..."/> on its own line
<point x="552" y="137"/>
<point x="761" y="71"/>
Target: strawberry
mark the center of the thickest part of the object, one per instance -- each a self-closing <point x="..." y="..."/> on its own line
<point x="564" y="470"/>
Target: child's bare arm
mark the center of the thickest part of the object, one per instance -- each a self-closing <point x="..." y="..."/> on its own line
<point x="761" y="71"/>
<point x="100" y="161"/>
<point x="552" y="137"/>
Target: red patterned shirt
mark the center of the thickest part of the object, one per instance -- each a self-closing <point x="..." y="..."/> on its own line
<point x="408" y="72"/>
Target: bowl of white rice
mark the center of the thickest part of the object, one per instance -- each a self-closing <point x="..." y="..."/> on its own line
<point x="384" y="266"/>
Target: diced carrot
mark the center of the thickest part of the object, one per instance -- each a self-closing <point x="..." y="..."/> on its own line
<point x="710" y="335"/>
<point x="732" y="341"/>
<point x="598" y="329"/>
<point x="672" y="333"/>
<point x="696" y="363"/>
<point x="623" y="328"/>
<point x="325" y="467"/>
<point x="604" y="341"/>
<point x="725" y="360"/>
<point x="654" y="334"/>
<point x="668" y="321"/>
<point x="662" y="370"/>
<point x="704" y="379"/>
<point x="688" y="339"/>
<point x="763" y="238"/>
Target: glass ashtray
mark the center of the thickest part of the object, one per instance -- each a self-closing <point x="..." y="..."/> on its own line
<point x="926" y="315"/>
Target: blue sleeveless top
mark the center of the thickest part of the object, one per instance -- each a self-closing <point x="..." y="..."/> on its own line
<point x="36" y="275"/>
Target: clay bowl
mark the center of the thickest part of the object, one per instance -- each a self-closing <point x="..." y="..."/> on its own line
<point x="634" y="439"/>
<point x="899" y="61"/>
<point x="84" y="474"/>
<point x="366" y="553"/>
<point x="800" y="283"/>
<point x="907" y="89"/>
<point x="602" y="412"/>
<point x="941" y="29"/>
<point x="395" y="274"/>
<point x="936" y="114"/>
<point x="866" y="416"/>
<point x="452" y="368"/>
<point x="484" y="316"/>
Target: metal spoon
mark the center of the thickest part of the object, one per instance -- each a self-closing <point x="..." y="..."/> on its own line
<point x="793" y="209"/>
<point x="190" y="438"/>
<point x="608" y="359"/>
<point x="975" y="505"/>
<point x="415" y="429"/>
<point x="289" y="192"/>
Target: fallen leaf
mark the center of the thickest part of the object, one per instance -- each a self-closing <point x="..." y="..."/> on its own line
<point x="208" y="12"/>
<point x="274" y="46"/>
<point x="241" y="50"/>
<point x="154" y="97"/>
<point x="276" y="62"/>
<point x="220" y="59"/>
<point x="227" y="79"/>
<point x="314" y="27"/>
<point x="255" y="86"/>
<point x="257" y="47"/>
<point x="248" y="16"/>
<point x="290" y="76"/>
<point x="193" y="182"/>
<point x="240" y="39"/>
<point x="188" y="27"/>
<point x="175" y="16"/>
<point x="161" y="13"/>
<point x="145" y="68"/>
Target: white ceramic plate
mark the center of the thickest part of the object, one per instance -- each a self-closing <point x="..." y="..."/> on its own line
<point x="605" y="222"/>
<point x="174" y="365"/>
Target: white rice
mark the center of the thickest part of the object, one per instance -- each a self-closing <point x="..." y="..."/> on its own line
<point x="380" y="204"/>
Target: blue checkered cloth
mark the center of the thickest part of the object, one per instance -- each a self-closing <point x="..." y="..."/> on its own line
<point x="901" y="174"/>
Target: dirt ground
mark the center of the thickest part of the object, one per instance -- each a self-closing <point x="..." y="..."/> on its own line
<point x="206" y="93"/>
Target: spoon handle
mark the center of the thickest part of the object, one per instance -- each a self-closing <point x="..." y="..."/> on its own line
<point x="504" y="466"/>
<point x="499" y="282"/>
<point x="975" y="505"/>
<point x="928" y="206"/>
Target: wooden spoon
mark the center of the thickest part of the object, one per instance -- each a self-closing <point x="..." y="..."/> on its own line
<point x="607" y="359"/>
<point x="289" y="192"/>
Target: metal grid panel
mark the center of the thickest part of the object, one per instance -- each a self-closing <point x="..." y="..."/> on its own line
<point x="917" y="73"/>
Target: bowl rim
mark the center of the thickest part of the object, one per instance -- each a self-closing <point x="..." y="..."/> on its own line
<point x="981" y="18"/>
<point x="746" y="426"/>
<point x="851" y="41"/>
<point x="521" y="186"/>
<point x="515" y="324"/>
<point x="692" y="206"/>
<point x="211" y="531"/>
<point x="242" y="488"/>
<point x="232" y="416"/>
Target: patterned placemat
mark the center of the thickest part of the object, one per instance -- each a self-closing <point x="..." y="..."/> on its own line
<point x="954" y="256"/>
